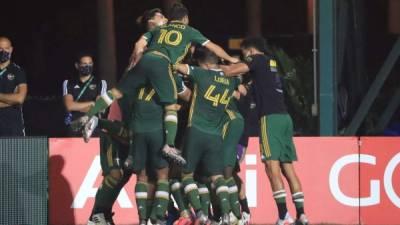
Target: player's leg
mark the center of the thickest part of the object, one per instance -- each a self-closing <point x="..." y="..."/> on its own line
<point x="289" y="171"/>
<point x="110" y="188"/>
<point x="192" y="152"/>
<point x="162" y="79"/>
<point x="245" y="220"/>
<point x="215" y="170"/>
<point x="138" y="154"/>
<point x="271" y="150"/>
<point x="155" y="141"/>
<point x="232" y="133"/>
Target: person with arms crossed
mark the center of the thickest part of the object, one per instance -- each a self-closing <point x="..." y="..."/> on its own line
<point x="13" y="90"/>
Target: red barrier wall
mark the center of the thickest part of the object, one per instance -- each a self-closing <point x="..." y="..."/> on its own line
<point x="329" y="169"/>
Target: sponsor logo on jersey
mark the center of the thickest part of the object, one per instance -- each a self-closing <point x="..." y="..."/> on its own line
<point x="92" y="86"/>
<point x="76" y="87"/>
<point x="11" y="76"/>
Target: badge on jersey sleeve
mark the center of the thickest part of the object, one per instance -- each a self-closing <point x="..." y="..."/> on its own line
<point x="273" y="65"/>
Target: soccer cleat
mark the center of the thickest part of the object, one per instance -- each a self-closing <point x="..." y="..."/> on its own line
<point x="109" y="218"/>
<point x="201" y="218"/>
<point x="160" y="222"/>
<point x="245" y="220"/>
<point x="89" y="128"/>
<point x="78" y="124"/>
<point x="99" y="219"/>
<point x="143" y="222"/>
<point x="287" y="221"/>
<point x="90" y="223"/>
<point x="225" y="219"/>
<point x="233" y="220"/>
<point x="302" y="220"/>
<point x="173" y="154"/>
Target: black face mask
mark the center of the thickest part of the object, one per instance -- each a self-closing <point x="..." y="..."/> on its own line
<point x="85" y="70"/>
<point x="4" y="56"/>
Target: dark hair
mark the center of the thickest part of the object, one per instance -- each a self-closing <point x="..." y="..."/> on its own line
<point x="142" y="20"/>
<point x="177" y="12"/>
<point x="256" y="42"/>
<point x="204" y="55"/>
<point x="80" y="55"/>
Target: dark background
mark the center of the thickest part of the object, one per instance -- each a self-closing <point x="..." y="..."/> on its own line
<point x="47" y="34"/>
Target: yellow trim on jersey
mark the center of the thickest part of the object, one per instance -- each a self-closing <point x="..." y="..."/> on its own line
<point x="150" y="95"/>
<point x="161" y="54"/>
<point x="171" y="76"/>
<point x="231" y="114"/>
<point x="180" y="58"/>
<point x="141" y="93"/>
<point x="109" y="156"/>
<point x="225" y="129"/>
<point x="192" y="105"/>
<point x="264" y="137"/>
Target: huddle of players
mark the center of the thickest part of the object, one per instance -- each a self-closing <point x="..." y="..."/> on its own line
<point x="147" y="95"/>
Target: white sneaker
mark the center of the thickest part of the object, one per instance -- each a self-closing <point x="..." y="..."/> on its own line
<point x="173" y="154"/>
<point x="232" y="219"/>
<point x="90" y="223"/>
<point x="99" y="219"/>
<point x="302" y="220"/>
<point x="287" y="221"/>
<point x="245" y="220"/>
<point x="89" y="128"/>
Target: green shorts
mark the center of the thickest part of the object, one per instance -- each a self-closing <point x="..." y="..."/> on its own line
<point x="146" y="151"/>
<point x="202" y="149"/>
<point x="112" y="153"/>
<point x="232" y="133"/>
<point x="276" y="138"/>
<point x="155" y="68"/>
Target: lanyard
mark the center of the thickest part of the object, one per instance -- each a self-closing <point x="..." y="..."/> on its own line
<point x="2" y="72"/>
<point x="84" y="88"/>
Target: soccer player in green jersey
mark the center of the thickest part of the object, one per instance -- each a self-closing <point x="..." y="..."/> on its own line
<point x="202" y="145"/>
<point x="166" y="46"/>
<point x="276" y="126"/>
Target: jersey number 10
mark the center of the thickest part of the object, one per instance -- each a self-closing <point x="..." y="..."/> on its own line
<point x="170" y="37"/>
<point x="217" y="99"/>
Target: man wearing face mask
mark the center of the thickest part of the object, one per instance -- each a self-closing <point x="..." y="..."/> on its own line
<point x="13" y="91"/>
<point x="81" y="92"/>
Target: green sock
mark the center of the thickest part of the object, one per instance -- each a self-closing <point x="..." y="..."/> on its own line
<point x="171" y="126"/>
<point x="204" y="197"/>
<point x="298" y="200"/>
<point x="106" y="194"/>
<point x="280" y="200"/>
<point x="192" y="192"/>
<point x="176" y="191"/>
<point x="112" y="127"/>
<point x="161" y="198"/>
<point x="141" y="199"/>
<point x="234" y="197"/>
<point x="223" y="195"/>
<point x="102" y="103"/>
<point x="150" y="206"/>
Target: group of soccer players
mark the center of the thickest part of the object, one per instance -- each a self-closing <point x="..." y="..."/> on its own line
<point x="199" y="181"/>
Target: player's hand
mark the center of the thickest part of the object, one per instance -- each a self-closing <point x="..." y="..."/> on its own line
<point x="234" y="60"/>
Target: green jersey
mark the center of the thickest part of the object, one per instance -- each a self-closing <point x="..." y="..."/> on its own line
<point x="211" y="95"/>
<point x="173" y="40"/>
<point x="148" y="113"/>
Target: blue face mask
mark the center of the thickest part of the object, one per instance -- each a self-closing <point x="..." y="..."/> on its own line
<point x="4" y="56"/>
<point x="85" y="70"/>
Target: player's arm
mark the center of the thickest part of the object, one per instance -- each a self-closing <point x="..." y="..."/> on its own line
<point x="140" y="46"/>
<point x="235" y="69"/>
<point x="72" y="105"/>
<point x="220" y="52"/>
<point x="4" y="105"/>
<point x="182" y="68"/>
<point x="16" y="98"/>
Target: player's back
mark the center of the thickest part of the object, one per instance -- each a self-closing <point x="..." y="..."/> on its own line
<point x="211" y="95"/>
<point x="174" y="40"/>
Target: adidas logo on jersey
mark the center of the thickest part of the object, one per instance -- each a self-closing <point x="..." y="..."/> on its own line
<point x="76" y="86"/>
